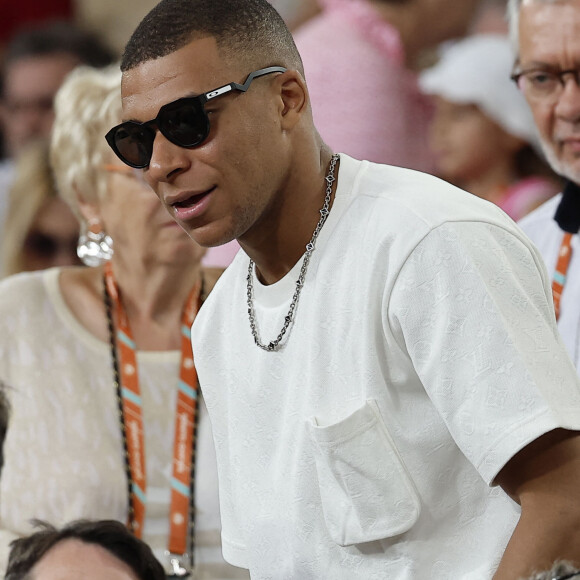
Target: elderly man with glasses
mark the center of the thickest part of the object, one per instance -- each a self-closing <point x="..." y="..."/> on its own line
<point x="547" y="38"/>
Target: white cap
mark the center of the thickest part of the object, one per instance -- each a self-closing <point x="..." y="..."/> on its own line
<point x="476" y="70"/>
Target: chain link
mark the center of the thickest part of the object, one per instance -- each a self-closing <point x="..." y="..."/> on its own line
<point x="274" y="345"/>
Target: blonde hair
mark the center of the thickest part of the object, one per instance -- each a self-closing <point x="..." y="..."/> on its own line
<point x="33" y="186"/>
<point x="86" y="106"/>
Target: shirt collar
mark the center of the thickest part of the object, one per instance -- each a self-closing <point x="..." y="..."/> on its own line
<point x="568" y="212"/>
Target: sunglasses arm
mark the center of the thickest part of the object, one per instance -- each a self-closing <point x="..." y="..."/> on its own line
<point x="242" y="88"/>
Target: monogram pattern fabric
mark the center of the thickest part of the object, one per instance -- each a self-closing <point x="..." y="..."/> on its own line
<point x="422" y="357"/>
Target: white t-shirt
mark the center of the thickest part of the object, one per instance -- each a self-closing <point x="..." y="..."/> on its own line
<point x="421" y="359"/>
<point x="541" y="227"/>
<point x="63" y="451"/>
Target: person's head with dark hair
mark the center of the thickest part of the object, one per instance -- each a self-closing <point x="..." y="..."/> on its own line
<point x="249" y="130"/>
<point x="58" y="36"/>
<point x="250" y="30"/>
<point x="35" y="63"/>
<point x="92" y="550"/>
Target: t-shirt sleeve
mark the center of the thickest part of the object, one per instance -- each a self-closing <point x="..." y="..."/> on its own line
<point x="472" y="307"/>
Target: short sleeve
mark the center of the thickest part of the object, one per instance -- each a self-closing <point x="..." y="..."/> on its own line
<point x="472" y="307"/>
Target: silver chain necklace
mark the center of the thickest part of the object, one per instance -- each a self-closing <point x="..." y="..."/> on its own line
<point x="275" y="344"/>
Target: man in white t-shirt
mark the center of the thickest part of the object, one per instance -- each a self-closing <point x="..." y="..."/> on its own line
<point x="381" y="363"/>
<point x="547" y="38"/>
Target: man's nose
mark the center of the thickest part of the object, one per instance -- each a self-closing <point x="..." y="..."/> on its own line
<point x="568" y="105"/>
<point x="167" y="160"/>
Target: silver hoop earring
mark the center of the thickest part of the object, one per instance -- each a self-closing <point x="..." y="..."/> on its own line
<point x="94" y="247"/>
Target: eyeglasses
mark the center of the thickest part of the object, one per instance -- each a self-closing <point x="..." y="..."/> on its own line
<point x="117" y="169"/>
<point x="132" y="172"/>
<point x="544" y="84"/>
<point x="183" y="122"/>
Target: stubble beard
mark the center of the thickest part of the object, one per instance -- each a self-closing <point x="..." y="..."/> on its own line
<point x="562" y="168"/>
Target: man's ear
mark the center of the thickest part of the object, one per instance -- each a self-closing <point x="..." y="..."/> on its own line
<point x="294" y="98"/>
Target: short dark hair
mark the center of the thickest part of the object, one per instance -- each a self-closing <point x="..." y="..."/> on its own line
<point x="111" y="535"/>
<point x="56" y="37"/>
<point x="250" y="30"/>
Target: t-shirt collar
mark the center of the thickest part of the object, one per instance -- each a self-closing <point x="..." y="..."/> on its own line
<point x="568" y="212"/>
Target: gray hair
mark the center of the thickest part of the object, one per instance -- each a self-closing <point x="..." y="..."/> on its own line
<point x="513" y="17"/>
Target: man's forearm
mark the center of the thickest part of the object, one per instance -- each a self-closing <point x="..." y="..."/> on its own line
<point x="538" y="541"/>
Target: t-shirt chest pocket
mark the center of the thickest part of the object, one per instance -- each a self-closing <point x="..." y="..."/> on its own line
<point x="366" y="491"/>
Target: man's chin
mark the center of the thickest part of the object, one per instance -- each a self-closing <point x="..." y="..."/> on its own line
<point x="206" y="240"/>
<point x="566" y="169"/>
<point x="569" y="171"/>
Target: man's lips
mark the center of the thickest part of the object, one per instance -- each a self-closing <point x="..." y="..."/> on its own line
<point x="572" y="143"/>
<point x="189" y="202"/>
<point x="188" y="205"/>
<point x="186" y="198"/>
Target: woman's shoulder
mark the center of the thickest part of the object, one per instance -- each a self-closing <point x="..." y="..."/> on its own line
<point x="24" y="286"/>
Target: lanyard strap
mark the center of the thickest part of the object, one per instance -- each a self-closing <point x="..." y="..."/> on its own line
<point x="562" y="265"/>
<point x="123" y="350"/>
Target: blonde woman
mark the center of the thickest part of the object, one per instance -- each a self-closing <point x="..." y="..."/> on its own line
<point x="103" y="387"/>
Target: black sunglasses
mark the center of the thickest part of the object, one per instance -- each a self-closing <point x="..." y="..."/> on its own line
<point x="184" y="122"/>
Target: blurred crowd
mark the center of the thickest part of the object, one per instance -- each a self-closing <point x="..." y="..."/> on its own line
<point x="381" y="91"/>
<point x="384" y="87"/>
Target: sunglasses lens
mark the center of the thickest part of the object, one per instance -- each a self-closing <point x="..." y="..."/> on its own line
<point x="133" y="143"/>
<point x="184" y="122"/>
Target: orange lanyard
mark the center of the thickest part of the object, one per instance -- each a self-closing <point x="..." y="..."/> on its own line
<point x="131" y="417"/>
<point x="559" y="280"/>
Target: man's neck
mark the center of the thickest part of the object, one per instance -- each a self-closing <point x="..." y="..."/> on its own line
<point x="291" y="222"/>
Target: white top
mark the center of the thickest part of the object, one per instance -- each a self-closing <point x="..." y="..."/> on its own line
<point x="421" y="359"/>
<point x="544" y="231"/>
<point x="63" y="450"/>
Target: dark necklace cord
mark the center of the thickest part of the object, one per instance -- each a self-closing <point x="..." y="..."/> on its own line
<point x="119" y="395"/>
<point x="202" y="297"/>
<point x="127" y="461"/>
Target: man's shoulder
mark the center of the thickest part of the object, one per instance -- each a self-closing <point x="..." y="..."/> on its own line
<point x="408" y="198"/>
<point x="228" y="278"/>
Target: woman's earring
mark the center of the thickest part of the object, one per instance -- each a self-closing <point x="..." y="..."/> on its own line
<point x="95" y="247"/>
